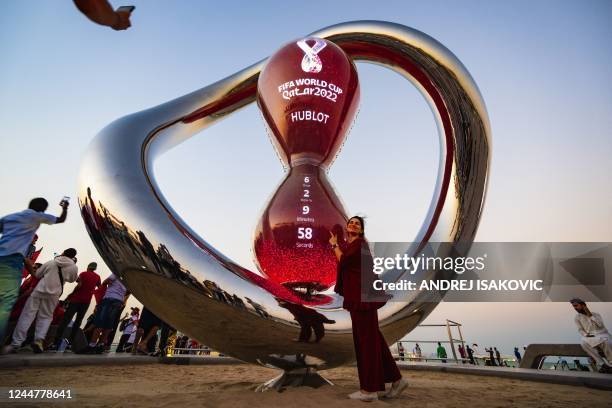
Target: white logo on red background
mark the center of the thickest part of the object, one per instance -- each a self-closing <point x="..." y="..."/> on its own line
<point x="311" y="61"/>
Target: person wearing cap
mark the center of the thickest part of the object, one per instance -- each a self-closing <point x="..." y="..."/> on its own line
<point x="594" y="335"/>
<point x="79" y="301"/>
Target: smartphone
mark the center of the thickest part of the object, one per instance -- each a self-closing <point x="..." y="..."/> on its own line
<point x="65" y="199"/>
<point x="129" y="9"/>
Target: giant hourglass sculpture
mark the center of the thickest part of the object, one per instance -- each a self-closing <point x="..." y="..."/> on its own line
<point x="194" y="287"/>
<point x="308" y="94"/>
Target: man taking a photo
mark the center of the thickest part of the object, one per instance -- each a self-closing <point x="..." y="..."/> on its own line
<point x="18" y="230"/>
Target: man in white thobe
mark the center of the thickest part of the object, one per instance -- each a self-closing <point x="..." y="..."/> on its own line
<point x="594" y="334"/>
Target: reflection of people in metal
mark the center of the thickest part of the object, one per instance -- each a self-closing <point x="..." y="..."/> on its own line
<point x="149" y="251"/>
<point x="309" y="320"/>
<point x="259" y="309"/>
<point x="93" y="221"/>
<point x="375" y="363"/>
<point x="124" y="233"/>
<point x="595" y="336"/>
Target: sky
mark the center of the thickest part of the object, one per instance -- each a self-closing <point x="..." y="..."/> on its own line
<point x="542" y="67"/>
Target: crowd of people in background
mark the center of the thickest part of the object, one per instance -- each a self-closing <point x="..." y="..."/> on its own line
<point x="470" y="354"/>
<point x="31" y="291"/>
<point x="32" y="316"/>
<point x="465" y="354"/>
<point x="37" y="306"/>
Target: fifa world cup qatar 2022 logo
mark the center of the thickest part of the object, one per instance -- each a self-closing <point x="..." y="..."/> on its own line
<point x="308" y="94"/>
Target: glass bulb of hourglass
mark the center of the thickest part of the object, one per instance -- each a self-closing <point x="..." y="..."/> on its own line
<point x="308" y="94"/>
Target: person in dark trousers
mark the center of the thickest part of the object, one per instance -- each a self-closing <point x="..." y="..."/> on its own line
<point x="375" y="363"/>
<point x="470" y="354"/>
<point x="108" y="312"/>
<point x="498" y="356"/>
<point x="491" y="356"/>
<point x="146" y="336"/>
<point x="166" y="332"/>
<point x="517" y="354"/>
<point x="111" y="335"/>
<point x="579" y="366"/>
<point x="79" y="301"/>
<point x="18" y="231"/>
<point x="128" y="326"/>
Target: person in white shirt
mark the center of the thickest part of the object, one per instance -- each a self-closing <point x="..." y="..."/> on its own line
<point x="44" y="299"/>
<point x="130" y="326"/>
<point x="107" y="313"/>
<point x="18" y="230"/>
<point x="594" y="335"/>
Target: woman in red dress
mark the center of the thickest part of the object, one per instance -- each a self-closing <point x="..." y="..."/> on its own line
<point x="375" y="363"/>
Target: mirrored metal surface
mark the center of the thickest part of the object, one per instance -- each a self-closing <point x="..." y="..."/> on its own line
<point x="191" y="285"/>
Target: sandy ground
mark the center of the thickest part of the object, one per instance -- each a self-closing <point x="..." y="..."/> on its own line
<point x="162" y="385"/>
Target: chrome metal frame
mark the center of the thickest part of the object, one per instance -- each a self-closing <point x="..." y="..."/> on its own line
<point x="195" y="288"/>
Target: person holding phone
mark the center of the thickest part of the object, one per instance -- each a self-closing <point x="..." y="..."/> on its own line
<point x="101" y="12"/>
<point x="18" y="230"/>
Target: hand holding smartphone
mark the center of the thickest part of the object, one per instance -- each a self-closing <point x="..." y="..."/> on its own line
<point x="123" y="14"/>
<point x="65" y="201"/>
<point x="125" y="9"/>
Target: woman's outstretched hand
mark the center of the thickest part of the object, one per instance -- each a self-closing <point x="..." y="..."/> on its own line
<point x="333" y="240"/>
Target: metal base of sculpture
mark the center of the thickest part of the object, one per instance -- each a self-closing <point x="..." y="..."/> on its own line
<point x="304" y="377"/>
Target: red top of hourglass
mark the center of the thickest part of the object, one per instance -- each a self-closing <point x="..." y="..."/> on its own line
<point x="308" y="93"/>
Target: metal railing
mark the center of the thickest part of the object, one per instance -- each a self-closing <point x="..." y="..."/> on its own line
<point x="451" y="341"/>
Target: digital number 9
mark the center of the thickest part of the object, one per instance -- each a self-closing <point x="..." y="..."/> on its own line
<point x="305" y="209"/>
